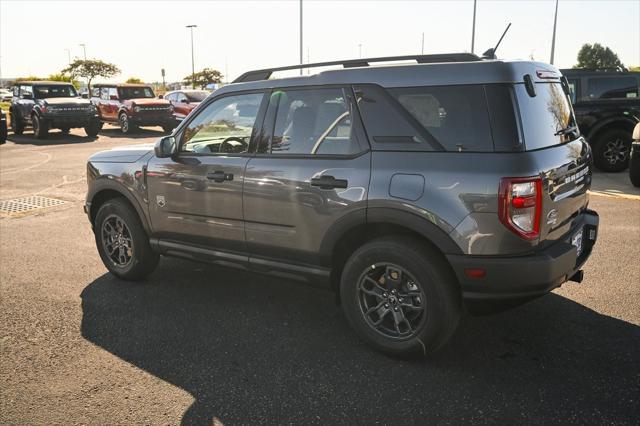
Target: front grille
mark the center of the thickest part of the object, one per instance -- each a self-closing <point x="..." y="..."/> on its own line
<point x="154" y="108"/>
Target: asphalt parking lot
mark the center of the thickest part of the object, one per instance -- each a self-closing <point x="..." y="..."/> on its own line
<point x="200" y="344"/>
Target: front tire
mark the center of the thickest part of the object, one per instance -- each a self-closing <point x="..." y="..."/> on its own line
<point x="40" y="127"/>
<point x="611" y="150"/>
<point x="125" y="124"/>
<point x="16" y="123"/>
<point x="400" y="297"/>
<point x="122" y="242"/>
<point x="168" y="128"/>
<point x="634" y="167"/>
<point x="93" y="129"/>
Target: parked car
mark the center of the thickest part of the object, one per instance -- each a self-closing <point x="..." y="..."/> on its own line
<point x="184" y="101"/>
<point x="607" y="107"/>
<point x="634" y="158"/>
<point x="47" y="105"/>
<point x="408" y="190"/>
<point x="6" y="95"/>
<point x="3" y="127"/>
<point x="132" y="105"/>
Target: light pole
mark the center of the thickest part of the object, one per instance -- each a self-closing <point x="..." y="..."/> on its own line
<point x="84" y="48"/>
<point x="68" y="55"/>
<point x="553" y="37"/>
<point x="473" y="27"/>
<point x="422" y="44"/>
<point x="301" y="56"/>
<point x="193" y="68"/>
<point x="360" y="50"/>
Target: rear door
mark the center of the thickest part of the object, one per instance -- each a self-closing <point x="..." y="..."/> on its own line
<point x="310" y="173"/>
<point x="563" y="158"/>
<point x="195" y="198"/>
<point x="26" y="102"/>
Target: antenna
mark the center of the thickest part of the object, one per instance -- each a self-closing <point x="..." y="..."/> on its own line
<point x="491" y="53"/>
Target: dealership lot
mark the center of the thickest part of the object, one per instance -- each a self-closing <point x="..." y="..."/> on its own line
<point x="198" y="343"/>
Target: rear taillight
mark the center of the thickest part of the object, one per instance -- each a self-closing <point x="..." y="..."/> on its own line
<point x="520" y="205"/>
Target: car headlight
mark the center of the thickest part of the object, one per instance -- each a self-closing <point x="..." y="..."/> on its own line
<point x="92" y="108"/>
<point x="136" y="109"/>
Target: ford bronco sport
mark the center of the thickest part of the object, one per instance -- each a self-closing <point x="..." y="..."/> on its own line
<point x="51" y="104"/>
<point x="607" y="107"/>
<point x="132" y="105"/>
<point x="411" y="190"/>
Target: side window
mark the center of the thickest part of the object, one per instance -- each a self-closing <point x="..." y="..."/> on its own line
<point x="313" y="121"/>
<point x="456" y="116"/>
<point x="574" y="88"/>
<point x="181" y="97"/>
<point x="224" y="126"/>
<point x="389" y="126"/>
<point x="171" y="97"/>
<point x="95" y="92"/>
<point x="104" y="93"/>
<point x="612" y="87"/>
<point x="113" y="92"/>
<point x="26" y="90"/>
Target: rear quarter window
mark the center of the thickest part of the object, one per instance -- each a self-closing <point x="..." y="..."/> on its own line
<point x="461" y="118"/>
<point x="612" y="87"/>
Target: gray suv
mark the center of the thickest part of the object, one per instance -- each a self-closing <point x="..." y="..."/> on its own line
<point x="414" y="191"/>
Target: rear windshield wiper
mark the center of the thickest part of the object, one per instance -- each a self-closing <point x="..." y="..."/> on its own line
<point x="567" y="130"/>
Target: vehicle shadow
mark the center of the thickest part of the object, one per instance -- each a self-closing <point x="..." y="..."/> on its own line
<point x="253" y="349"/>
<point x="53" y="138"/>
<point x="139" y="133"/>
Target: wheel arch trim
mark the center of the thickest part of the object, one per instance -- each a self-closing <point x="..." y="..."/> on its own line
<point x="105" y="184"/>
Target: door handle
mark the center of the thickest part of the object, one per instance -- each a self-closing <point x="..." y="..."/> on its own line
<point x="219" y="176"/>
<point x="329" y="182"/>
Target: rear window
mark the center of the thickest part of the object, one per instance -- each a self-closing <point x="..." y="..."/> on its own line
<point x="612" y="87"/>
<point x="463" y="118"/>
<point x="545" y="115"/>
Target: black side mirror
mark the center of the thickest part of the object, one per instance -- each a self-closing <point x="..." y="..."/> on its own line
<point x="165" y="147"/>
<point x="27" y="96"/>
<point x="185" y="101"/>
<point x="160" y="96"/>
<point x="84" y="95"/>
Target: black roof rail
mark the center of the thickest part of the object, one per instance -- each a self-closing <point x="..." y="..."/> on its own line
<point x="264" y="74"/>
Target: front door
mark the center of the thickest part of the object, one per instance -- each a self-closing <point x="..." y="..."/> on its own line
<point x="311" y="174"/>
<point x="195" y="198"/>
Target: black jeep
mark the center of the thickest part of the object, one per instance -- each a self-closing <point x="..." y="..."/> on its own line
<point x="48" y="104"/>
<point x="607" y="107"/>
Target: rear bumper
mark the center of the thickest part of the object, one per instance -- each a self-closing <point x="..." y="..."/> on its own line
<point x="513" y="280"/>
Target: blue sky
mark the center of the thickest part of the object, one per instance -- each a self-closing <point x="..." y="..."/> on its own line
<point x="141" y="37"/>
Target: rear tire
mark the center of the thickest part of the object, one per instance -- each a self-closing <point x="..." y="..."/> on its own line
<point x="16" y="123"/>
<point x="168" y="128"/>
<point x="122" y="242"/>
<point x="40" y="127"/>
<point x="416" y="310"/>
<point x="611" y="150"/>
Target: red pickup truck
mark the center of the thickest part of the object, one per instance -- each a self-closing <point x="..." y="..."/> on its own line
<point x="132" y="105"/>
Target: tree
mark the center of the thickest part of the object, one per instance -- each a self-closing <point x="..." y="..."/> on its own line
<point x="134" y="80"/>
<point x="90" y="69"/>
<point x="596" y="56"/>
<point x="202" y="78"/>
<point x="65" y="78"/>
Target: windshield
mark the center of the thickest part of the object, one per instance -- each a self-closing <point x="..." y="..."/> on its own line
<point x="135" y="92"/>
<point x="196" y="96"/>
<point x="545" y="117"/>
<point x="57" y="91"/>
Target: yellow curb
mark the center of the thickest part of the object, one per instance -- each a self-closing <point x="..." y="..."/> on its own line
<point x="615" y="195"/>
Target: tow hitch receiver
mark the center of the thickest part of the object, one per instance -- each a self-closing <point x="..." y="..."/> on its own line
<point x="577" y="277"/>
